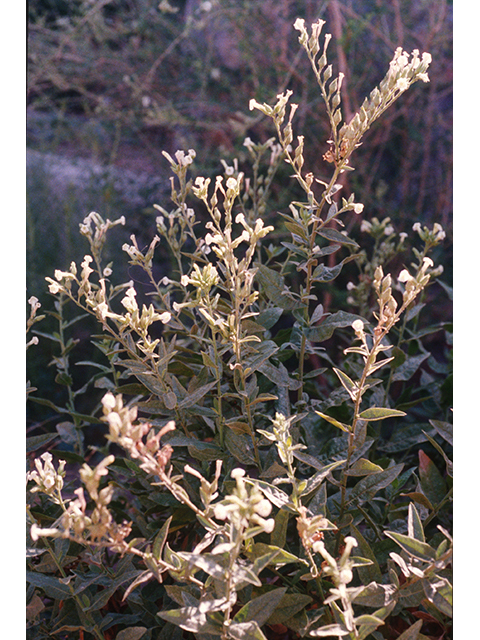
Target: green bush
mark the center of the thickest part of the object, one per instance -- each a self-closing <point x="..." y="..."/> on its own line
<point x="277" y="456"/>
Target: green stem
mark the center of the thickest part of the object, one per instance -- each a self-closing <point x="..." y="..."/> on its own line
<point x="66" y="369"/>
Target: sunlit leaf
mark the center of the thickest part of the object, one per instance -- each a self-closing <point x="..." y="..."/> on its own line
<point x="413" y="547"/>
<point x="380" y="413"/>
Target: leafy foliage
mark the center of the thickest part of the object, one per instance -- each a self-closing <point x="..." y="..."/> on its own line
<point x="242" y="474"/>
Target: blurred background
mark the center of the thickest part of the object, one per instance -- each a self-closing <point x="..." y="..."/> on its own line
<point x="112" y="83"/>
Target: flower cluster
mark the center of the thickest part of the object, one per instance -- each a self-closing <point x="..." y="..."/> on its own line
<point x="75" y="523"/>
<point x="34" y="307"/>
<point x="431" y="237"/>
<point x="245" y="509"/>
<point x="47" y="479"/>
<point x="97" y="235"/>
<point x="182" y="159"/>
<point x="401" y="75"/>
<point x="136" y="256"/>
<point x="153" y="457"/>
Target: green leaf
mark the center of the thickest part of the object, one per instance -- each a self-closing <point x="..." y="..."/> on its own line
<point x="404" y="438"/>
<point x="440" y="593"/>
<point x="260" y="608"/>
<point x="274" y="285"/>
<point x="282" y="557"/>
<point x="314" y="481"/>
<point x="325" y="330"/>
<point x="363" y="467"/>
<point x="279" y="375"/>
<point x="68" y="433"/>
<point x="347" y="382"/>
<point x="315" y="463"/>
<point x="262" y="353"/>
<point x="52" y="587"/>
<point x="190" y="619"/>
<point x="419" y="498"/>
<point x="367" y="573"/>
<point x="336" y="236"/>
<point x="376" y="594"/>
<point x="435" y="444"/>
<point x="133" y="633"/>
<point x="278" y="537"/>
<point x="213" y="564"/>
<point x="333" y="421"/>
<point x="431" y="480"/>
<point x="415" y="527"/>
<point x="276" y="496"/>
<point x="445" y="429"/>
<point x="367" y="623"/>
<point x="36" y="442"/>
<point x="246" y="631"/>
<point x="324" y="274"/>
<point x="413" y="547"/>
<point x="269" y="317"/>
<point x="239" y="446"/>
<point x="160" y="539"/>
<point x="366" y="488"/>
<point x="406" y="370"/>
<point x="290" y="605"/>
<point x="102" y="597"/>
<point x="380" y="413"/>
<point x="195" y="396"/>
<point x="329" y="630"/>
<point x="412" y="632"/>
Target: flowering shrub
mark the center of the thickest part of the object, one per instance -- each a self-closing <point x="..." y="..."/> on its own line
<point x="244" y="490"/>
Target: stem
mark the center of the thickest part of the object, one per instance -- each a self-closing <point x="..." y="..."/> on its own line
<point x="65" y="367"/>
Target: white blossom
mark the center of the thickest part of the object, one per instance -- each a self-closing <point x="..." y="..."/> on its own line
<point x="358" y="207"/>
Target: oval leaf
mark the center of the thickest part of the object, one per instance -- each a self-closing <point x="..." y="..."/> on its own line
<point x="415" y="548"/>
<point x="133" y="633"/>
<point x="379" y="413"/>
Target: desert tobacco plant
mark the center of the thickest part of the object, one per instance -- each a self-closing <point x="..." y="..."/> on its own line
<point x="239" y="478"/>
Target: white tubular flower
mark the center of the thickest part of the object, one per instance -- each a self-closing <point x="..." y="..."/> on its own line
<point x="34" y="303"/>
<point x="269" y="525"/>
<point x="404" y="276"/>
<point x="357" y="325"/>
<point x="185" y="159"/>
<point x="263" y="508"/>
<point x="240" y="218"/>
<point x="165" y="317"/>
<point x="37" y="532"/>
<point x="358" y="207"/>
<point x="221" y="511"/>
<point x="109" y="402"/>
<point x="439" y="232"/>
<point x="299" y="24"/>
<point x="426" y="59"/>
<point x="350" y="542"/>
<point x="129" y="301"/>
